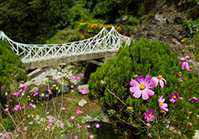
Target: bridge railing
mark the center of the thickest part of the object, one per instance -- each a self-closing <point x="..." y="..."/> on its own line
<point x="103" y="41"/>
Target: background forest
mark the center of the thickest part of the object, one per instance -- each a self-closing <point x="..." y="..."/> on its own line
<point x="33" y="21"/>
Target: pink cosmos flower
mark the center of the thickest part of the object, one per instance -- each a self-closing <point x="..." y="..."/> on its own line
<point x="17" y="94"/>
<point x="173" y="97"/>
<point x="51" y="121"/>
<point x="142" y="87"/>
<point x="163" y="106"/>
<point x="23" y="87"/>
<point x="72" y="118"/>
<point x="194" y="100"/>
<point x="31" y="105"/>
<point x="83" y="89"/>
<point x="18" y="107"/>
<point x="97" y="125"/>
<point x="78" y="111"/>
<point x="61" y="125"/>
<point x="184" y="62"/>
<point x="79" y="126"/>
<point x="36" y="93"/>
<point x="159" y="80"/>
<point x="149" y="115"/>
<point x="76" y="77"/>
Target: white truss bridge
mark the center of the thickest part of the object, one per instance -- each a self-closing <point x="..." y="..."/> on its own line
<point x="35" y="55"/>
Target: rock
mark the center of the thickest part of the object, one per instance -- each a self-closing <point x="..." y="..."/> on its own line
<point x="160" y="18"/>
<point x="196" y="136"/>
<point x="82" y="102"/>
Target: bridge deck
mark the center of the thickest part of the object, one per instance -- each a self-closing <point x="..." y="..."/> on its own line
<point x="68" y="59"/>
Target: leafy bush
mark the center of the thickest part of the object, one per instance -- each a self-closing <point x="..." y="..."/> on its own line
<point x="66" y="35"/>
<point x="78" y="12"/>
<point x="111" y="84"/>
<point x="192" y="26"/>
<point x="11" y="71"/>
<point x="11" y="68"/>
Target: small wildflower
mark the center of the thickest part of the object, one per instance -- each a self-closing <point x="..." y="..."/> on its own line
<point x="31" y="105"/>
<point x="97" y="125"/>
<point x="173" y="97"/>
<point x="184" y="62"/>
<point x="17" y="94"/>
<point x="194" y="100"/>
<point x="159" y="80"/>
<point x="72" y="118"/>
<point x="83" y="89"/>
<point x="163" y="106"/>
<point x="18" y="107"/>
<point x="149" y="115"/>
<point x="78" y="111"/>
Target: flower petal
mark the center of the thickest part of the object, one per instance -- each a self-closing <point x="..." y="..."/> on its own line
<point x="140" y="79"/>
<point x="150" y="93"/>
<point x="145" y="95"/>
<point x="137" y="93"/>
<point x="161" y="84"/>
<point x="155" y="81"/>
<point x="134" y="83"/>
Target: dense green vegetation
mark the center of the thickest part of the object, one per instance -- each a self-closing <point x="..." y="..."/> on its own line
<point x="153" y="58"/>
<point x="36" y="20"/>
<point x="11" y="71"/>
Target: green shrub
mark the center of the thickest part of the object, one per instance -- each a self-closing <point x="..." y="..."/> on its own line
<point x="11" y="70"/>
<point x="66" y="35"/>
<point x="192" y="26"/>
<point x="78" y="12"/>
<point x="110" y="84"/>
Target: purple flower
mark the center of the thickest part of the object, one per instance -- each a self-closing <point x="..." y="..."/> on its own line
<point x="17" y="94"/>
<point x="159" y="79"/>
<point x="184" y="62"/>
<point x="163" y="106"/>
<point x="149" y="115"/>
<point x="194" y="100"/>
<point x="31" y="105"/>
<point x="23" y="87"/>
<point x="142" y="87"/>
<point x="18" y="107"/>
<point x="83" y="89"/>
<point x="173" y="97"/>
<point x="78" y="111"/>
<point x="36" y="93"/>
<point x="97" y="125"/>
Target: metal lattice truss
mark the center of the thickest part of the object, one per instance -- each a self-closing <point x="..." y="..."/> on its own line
<point x="102" y="42"/>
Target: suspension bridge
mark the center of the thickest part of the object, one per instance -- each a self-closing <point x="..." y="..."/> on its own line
<point x="103" y="44"/>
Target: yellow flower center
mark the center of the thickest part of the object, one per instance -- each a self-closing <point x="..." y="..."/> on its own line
<point x="159" y="77"/>
<point x="161" y="104"/>
<point x="142" y="86"/>
<point x="174" y="97"/>
<point x="129" y="108"/>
